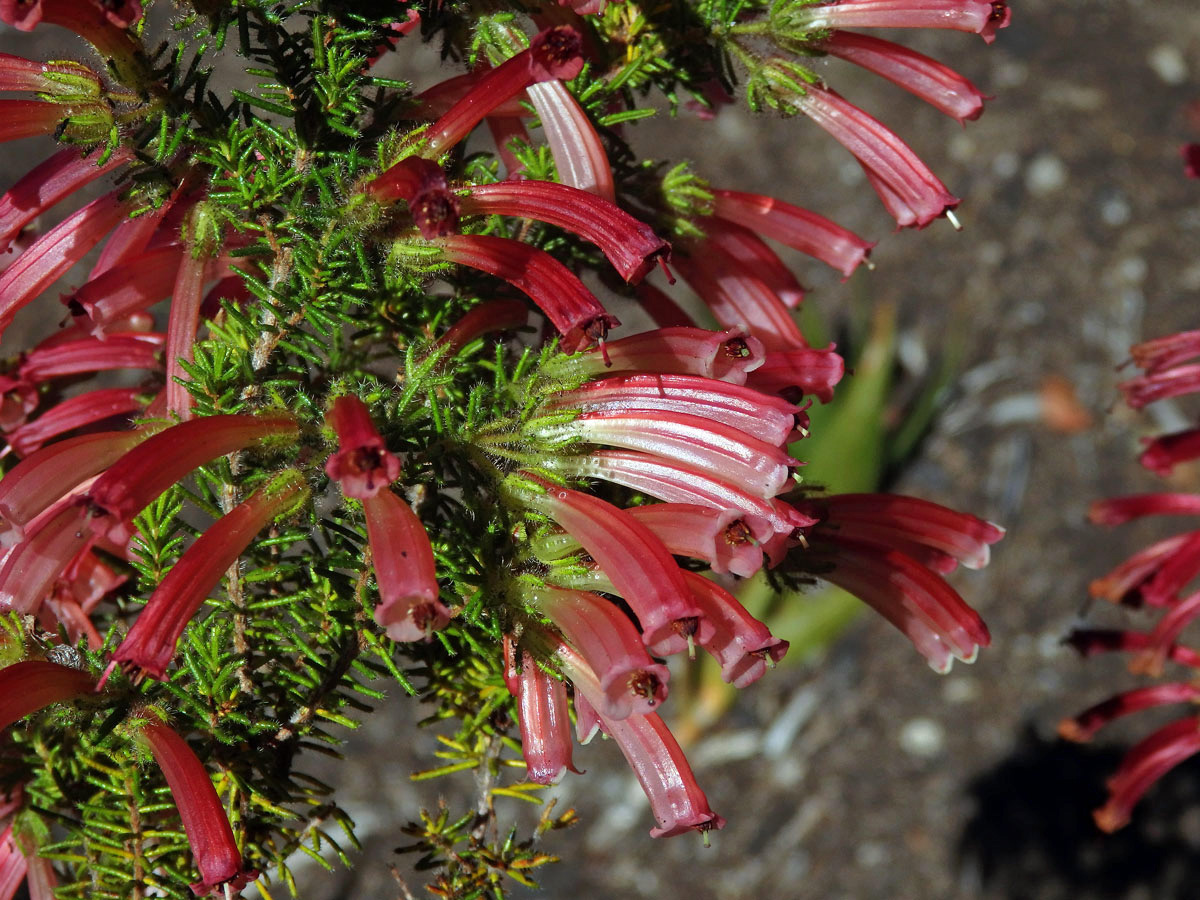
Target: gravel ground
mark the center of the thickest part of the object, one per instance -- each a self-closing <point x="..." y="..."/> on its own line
<point x="866" y="776"/>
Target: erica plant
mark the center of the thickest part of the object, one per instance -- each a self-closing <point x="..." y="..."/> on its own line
<point x="387" y="428"/>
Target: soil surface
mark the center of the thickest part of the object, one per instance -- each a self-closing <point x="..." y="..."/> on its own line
<point x="864" y="775"/>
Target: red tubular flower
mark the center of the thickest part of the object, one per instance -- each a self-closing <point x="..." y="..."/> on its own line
<point x="1090" y="641"/>
<point x="134" y="480"/>
<point x="49" y="257"/>
<point x="767" y="418"/>
<point x="486" y="318"/>
<point x="505" y="131"/>
<point x="676" y="484"/>
<point x="50" y="473"/>
<point x="811" y="372"/>
<point x="1152" y="659"/>
<point x="30" y="118"/>
<point x="555" y="53"/>
<point x="50" y="182"/>
<point x="630" y="245"/>
<point x="150" y="645"/>
<point x="124" y="289"/>
<point x="927" y="532"/>
<point x="1083" y="727"/>
<point x="119" y="351"/>
<point x="910" y="596"/>
<point x="636" y="562"/>
<point x="133" y="237"/>
<point x="1119" y="510"/>
<point x="983" y="17"/>
<point x="1155" y="355"/>
<point x="544" y="718"/>
<point x="204" y="821"/>
<point x="436" y="101"/>
<point x="631" y="683"/>
<point x="1159" y="384"/>
<point x="1123" y="584"/>
<point x="76" y="412"/>
<point x="676" y="800"/>
<point x="1147" y="762"/>
<point x="31" y="567"/>
<point x="421" y="183"/>
<point x="182" y="324"/>
<point x="913" y="194"/>
<point x="936" y="84"/>
<point x="362" y="465"/>
<point x="571" y="308"/>
<point x="1165" y="452"/>
<point x="100" y="22"/>
<point x="578" y="153"/>
<point x="701" y="445"/>
<point x="736" y="295"/>
<point x="405" y="569"/>
<point x="26" y="687"/>
<point x="20" y="74"/>
<point x="742" y="645"/>
<point x="724" y="355"/>
<point x="797" y="228"/>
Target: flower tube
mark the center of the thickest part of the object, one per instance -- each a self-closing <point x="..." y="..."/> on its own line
<point x="75" y="412"/>
<point x="1145" y="764"/>
<point x="362" y="465"/>
<point x="579" y="155"/>
<point x="742" y="645"/>
<point x="150" y="645"/>
<point x="26" y="687"/>
<point x="543" y="717"/>
<point x="982" y="17"/>
<point x="119" y="351"/>
<point x="724" y="355"/>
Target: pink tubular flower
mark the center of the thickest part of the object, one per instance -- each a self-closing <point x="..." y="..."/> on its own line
<point x="26" y="687"/>
<point x="1147" y="762"/>
<point x="811" y="372"/>
<point x="936" y="84"/>
<point x="119" y="351"/>
<point x="543" y="716"/>
<point x="405" y="569"/>
<point x="983" y="17"/>
<point x="182" y="324"/>
<point x="737" y="296"/>
<point x="630" y="245"/>
<point x="486" y="318"/>
<point x="631" y="683"/>
<point x="676" y="800"/>
<point x="30" y="118"/>
<point x="362" y="465"/>
<point x="555" y="53"/>
<point x="571" y="308"/>
<point x="50" y="473"/>
<point x="1083" y="727"/>
<point x="204" y="821"/>
<point x="1124" y="583"/>
<point x="125" y="288"/>
<point x="150" y="645"/>
<point x="1159" y="384"/>
<point x="1165" y="452"/>
<point x="906" y="592"/>
<point x="1158" y="354"/>
<point x="134" y="480"/>
<point x="49" y="545"/>
<point x="578" y="153"/>
<point x="767" y="418"/>
<point x="49" y="257"/>
<point x="673" y="483"/>
<point x="1119" y="510"/>
<point x="742" y="645"/>
<point x="797" y="228"/>
<point x="695" y="443"/>
<point x="50" y="182"/>
<point x="76" y="412"/>
<point x="913" y="195"/>
<point x="636" y="562"/>
<point x="724" y="355"/>
<point x="752" y="253"/>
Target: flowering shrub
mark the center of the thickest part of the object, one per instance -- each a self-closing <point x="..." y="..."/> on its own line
<point x="383" y="428"/>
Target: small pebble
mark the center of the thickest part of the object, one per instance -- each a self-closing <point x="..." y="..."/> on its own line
<point x="1168" y="64"/>
<point x="923" y="738"/>
<point x="1045" y="175"/>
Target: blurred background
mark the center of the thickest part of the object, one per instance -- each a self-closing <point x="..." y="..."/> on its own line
<point x="861" y="774"/>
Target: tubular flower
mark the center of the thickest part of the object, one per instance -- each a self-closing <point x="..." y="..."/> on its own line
<point x="151" y="467"/>
<point x="125" y="288"/>
<point x="118" y="351"/>
<point x="50" y="543"/>
<point x="573" y="310"/>
<point x="543" y="716"/>
<point x="409" y="608"/>
<point x="362" y="465"/>
<point x="150" y="645"/>
<point x="630" y="245"/>
<point x="890" y="552"/>
<point x="204" y="821"/>
<point x="78" y="411"/>
<point x="743" y="645"/>
<point x="552" y="54"/>
<point x="724" y="355"/>
<point x="912" y="194"/>
<point x="629" y="554"/>
<point x="982" y="17"/>
<point x="578" y="154"/>
<point x="797" y="228"/>
<point x="30" y="685"/>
